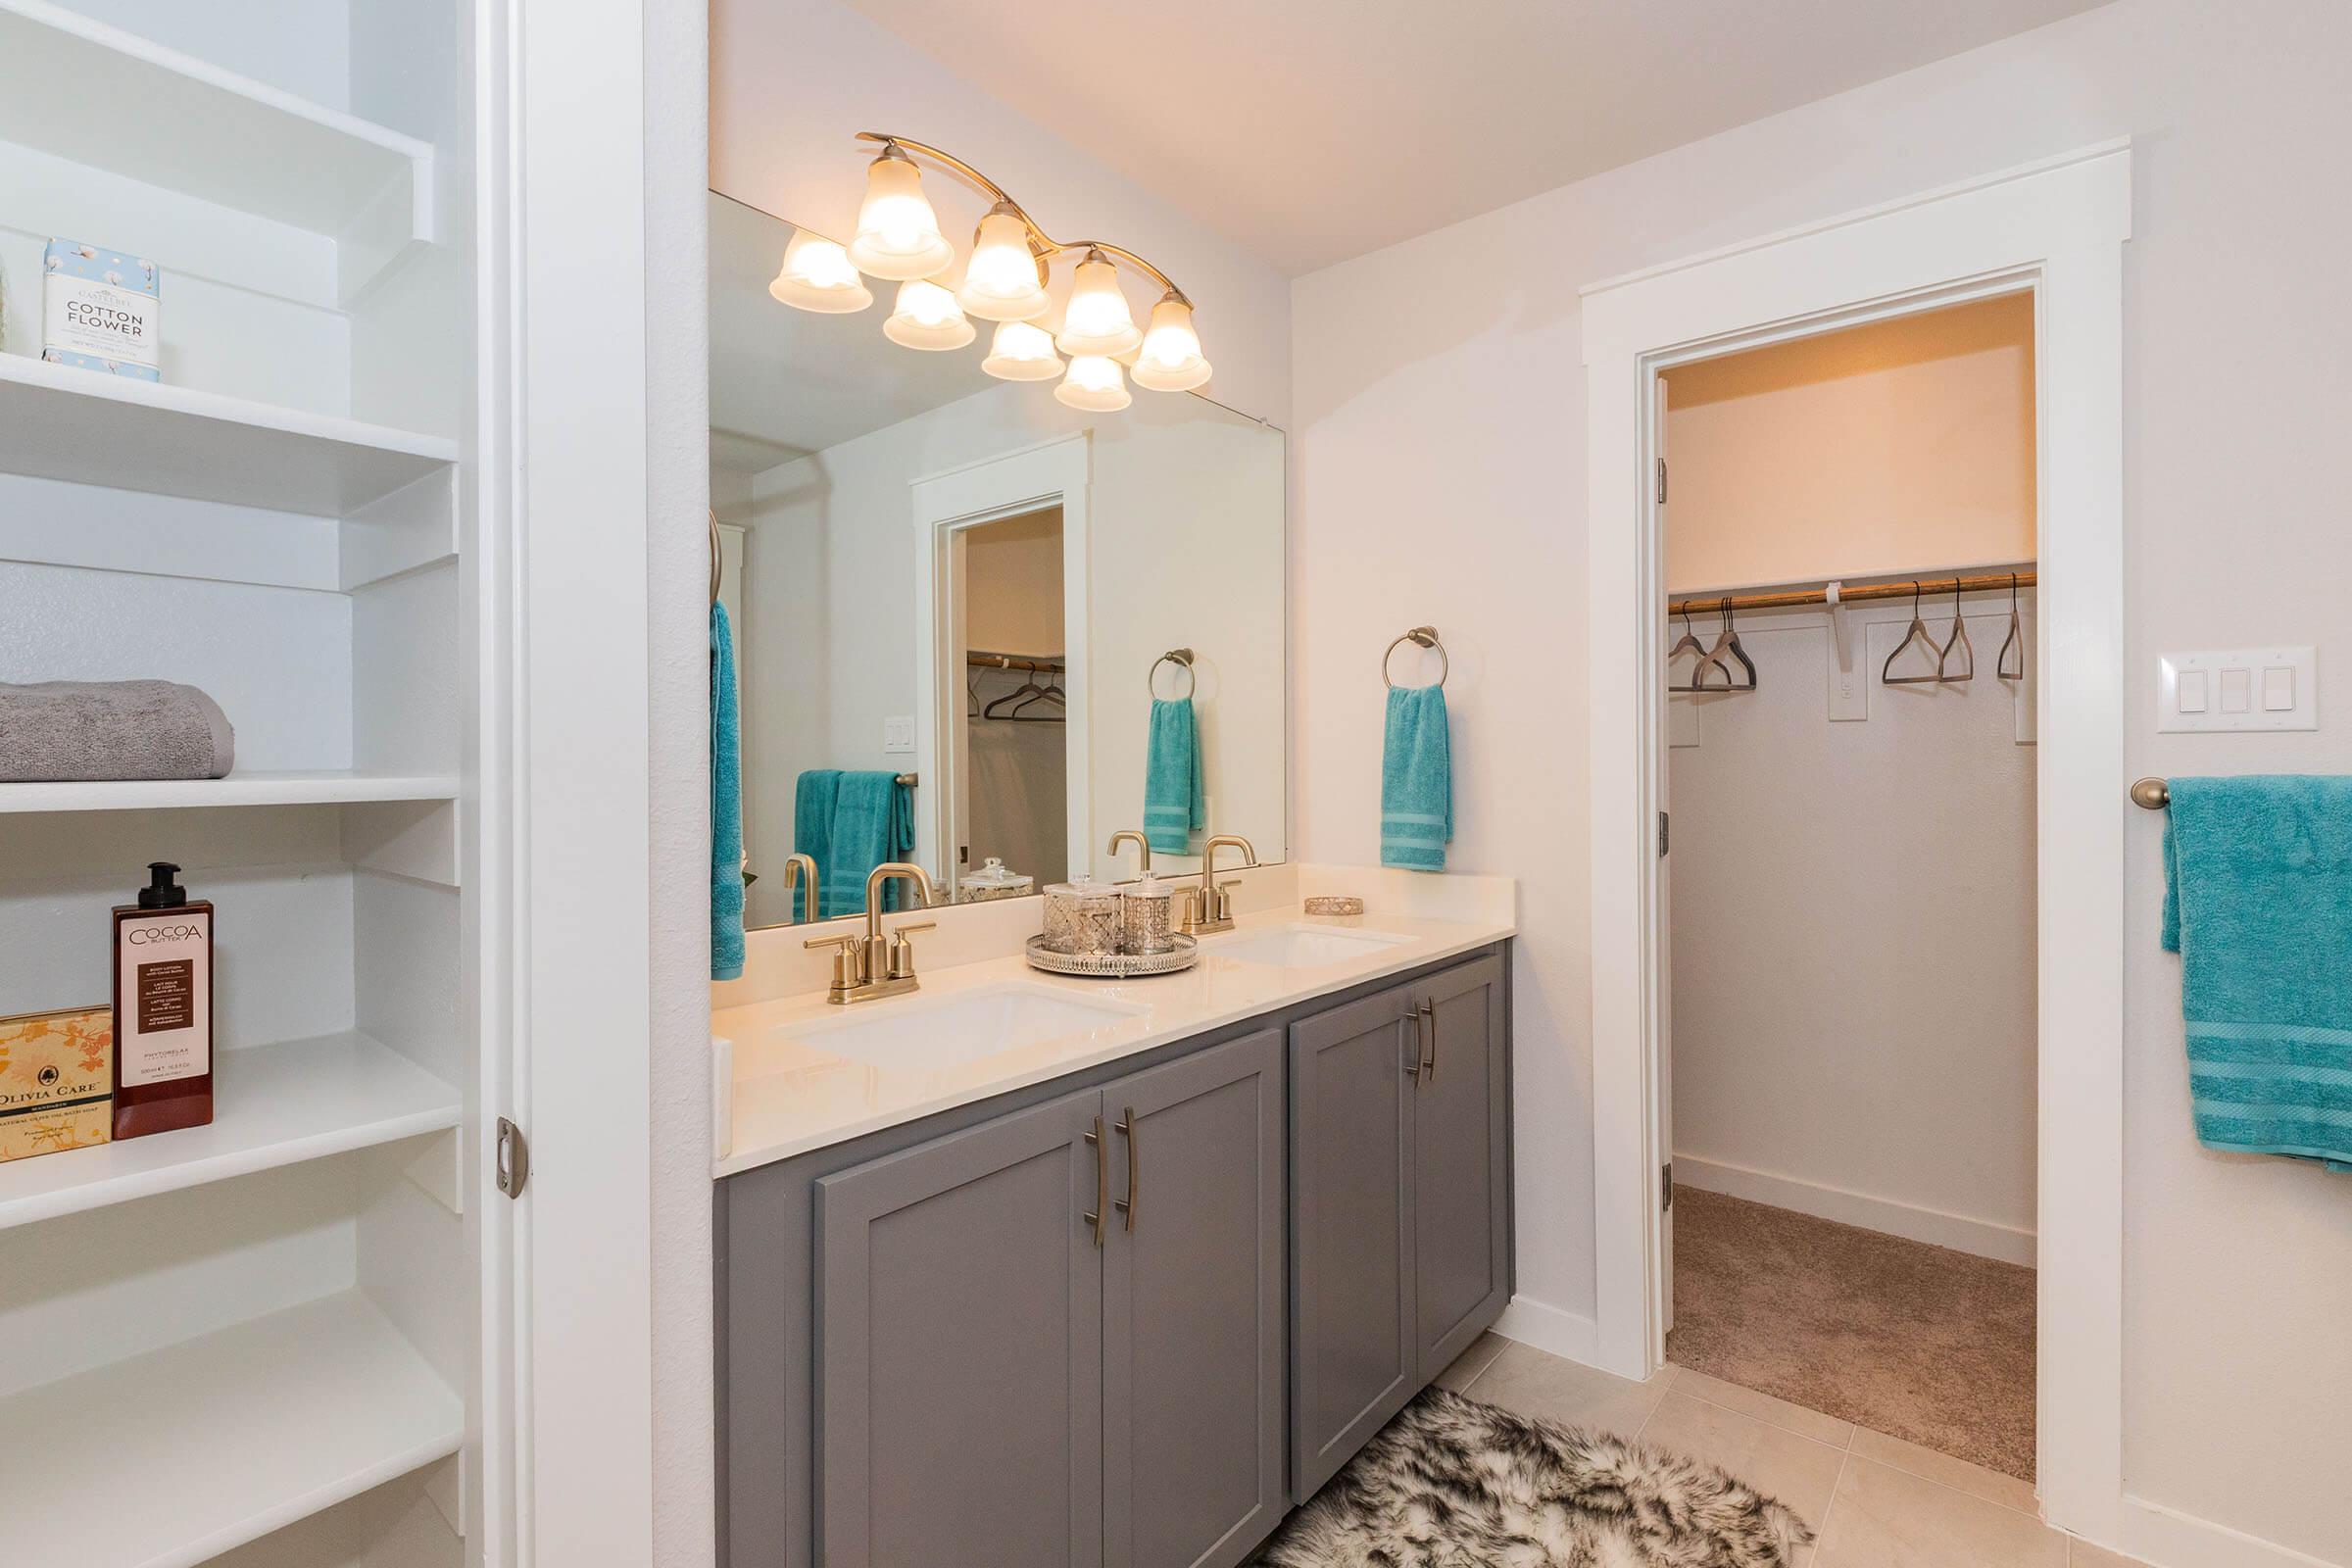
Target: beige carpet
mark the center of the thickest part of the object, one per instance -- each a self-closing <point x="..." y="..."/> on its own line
<point x="1917" y="1341"/>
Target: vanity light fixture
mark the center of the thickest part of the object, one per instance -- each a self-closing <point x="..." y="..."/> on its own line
<point x="817" y="276"/>
<point x="927" y="317"/>
<point x="1005" y="282"/>
<point x="1094" y="384"/>
<point x="1021" y="351"/>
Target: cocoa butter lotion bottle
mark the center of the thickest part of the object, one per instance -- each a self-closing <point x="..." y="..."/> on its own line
<point x="162" y="1008"/>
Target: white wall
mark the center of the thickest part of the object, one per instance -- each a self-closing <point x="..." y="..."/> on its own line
<point x="1185" y="550"/>
<point x="1854" y="936"/>
<point x="1467" y="407"/>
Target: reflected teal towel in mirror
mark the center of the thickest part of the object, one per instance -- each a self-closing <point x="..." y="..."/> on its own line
<point x="2257" y="903"/>
<point x="726" y="804"/>
<point x="1416" y="781"/>
<point x="874" y="821"/>
<point x="1173" y="806"/>
<point x="813" y="795"/>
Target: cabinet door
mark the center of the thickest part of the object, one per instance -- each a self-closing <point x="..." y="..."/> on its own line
<point x="960" y="1349"/>
<point x="1193" y="1289"/>
<point x="1353" y="1354"/>
<point x="1462" y="1198"/>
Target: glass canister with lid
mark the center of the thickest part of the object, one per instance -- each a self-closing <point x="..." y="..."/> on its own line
<point x="1082" y="917"/>
<point x="994" y="880"/>
<point x="1146" y="924"/>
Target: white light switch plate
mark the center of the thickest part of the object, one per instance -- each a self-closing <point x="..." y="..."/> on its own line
<point x="2239" y="689"/>
<point x="898" y="734"/>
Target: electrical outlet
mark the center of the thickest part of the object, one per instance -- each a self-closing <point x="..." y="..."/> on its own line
<point x="898" y="734"/>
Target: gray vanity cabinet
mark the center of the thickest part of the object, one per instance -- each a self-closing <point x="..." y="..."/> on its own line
<point x="960" y="1349"/>
<point x="1192" y="1326"/>
<point x="1400" y="1202"/>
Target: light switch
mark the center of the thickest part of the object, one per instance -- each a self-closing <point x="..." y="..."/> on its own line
<point x="2239" y="689"/>
<point x="898" y="734"/>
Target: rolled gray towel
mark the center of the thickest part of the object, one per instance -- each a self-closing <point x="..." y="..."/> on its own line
<point x="111" y="729"/>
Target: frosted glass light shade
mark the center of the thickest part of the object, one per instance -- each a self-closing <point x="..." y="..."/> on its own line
<point x="1003" y="280"/>
<point x="1021" y="351"/>
<point x="816" y="276"/>
<point x="927" y="317"/>
<point x="898" y="234"/>
<point x="1096" y="320"/>
<point x="1171" y="359"/>
<point x="1094" y="384"/>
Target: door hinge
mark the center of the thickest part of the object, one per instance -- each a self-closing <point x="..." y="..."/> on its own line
<point x="1662" y="835"/>
<point x="1661" y="481"/>
<point x="1666" y="1187"/>
<point x="514" y="1158"/>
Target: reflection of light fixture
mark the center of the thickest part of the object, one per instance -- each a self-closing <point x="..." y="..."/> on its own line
<point x="1096" y="319"/>
<point x="1094" y="384"/>
<point x="898" y="234"/>
<point x="927" y="317"/>
<point x="1021" y="351"/>
<point x="1004" y="281"/>
<point x="816" y="276"/>
<point x="1171" y="359"/>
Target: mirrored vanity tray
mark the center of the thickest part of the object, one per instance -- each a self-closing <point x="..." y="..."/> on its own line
<point x="1113" y="966"/>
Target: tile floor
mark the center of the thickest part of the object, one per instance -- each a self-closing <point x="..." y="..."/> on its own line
<point x="1875" y="1501"/>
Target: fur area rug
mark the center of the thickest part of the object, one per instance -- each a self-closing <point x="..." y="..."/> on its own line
<point x="1454" y="1484"/>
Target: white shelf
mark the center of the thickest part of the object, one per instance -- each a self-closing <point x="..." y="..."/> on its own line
<point x="275" y="1104"/>
<point x="87" y="428"/>
<point x="96" y="95"/>
<point x="260" y="787"/>
<point x="168" y="1459"/>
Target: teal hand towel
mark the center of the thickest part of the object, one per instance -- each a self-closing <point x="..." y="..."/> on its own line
<point x="813" y="795"/>
<point x="726" y="804"/>
<point x="2257" y="903"/>
<point x="1416" y="781"/>
<point x="874" y="821"/>
<point x="1174" y="809"/>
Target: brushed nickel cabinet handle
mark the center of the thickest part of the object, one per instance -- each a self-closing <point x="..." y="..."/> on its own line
<point x="1429" y="1067"/>
<point x="1135" y="1168"/>
<point x="1413" y="1067"/>
<point x="1101" y="1212"/>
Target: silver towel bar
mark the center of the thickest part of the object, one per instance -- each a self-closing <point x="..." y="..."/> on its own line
<point x="2153" y="794"/>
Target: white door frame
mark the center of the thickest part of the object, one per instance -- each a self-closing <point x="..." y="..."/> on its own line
<point x="2056" y="228"/>
<point x="1057" y="473"/>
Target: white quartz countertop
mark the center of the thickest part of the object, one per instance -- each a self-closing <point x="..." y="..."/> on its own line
<point x="787" y="1095"/>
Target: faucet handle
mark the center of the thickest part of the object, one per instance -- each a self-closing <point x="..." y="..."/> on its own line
<point x="848" y="971"/>
<point x="899" y="958"/>
<point x="844" y="942"/>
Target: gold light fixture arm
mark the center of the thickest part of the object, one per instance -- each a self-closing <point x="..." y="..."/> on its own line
<point x="1043" y="243"/>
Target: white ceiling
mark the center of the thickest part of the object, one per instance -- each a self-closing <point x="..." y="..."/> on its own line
<point x="1315" y="130"/>
<point x="784" y="382"/>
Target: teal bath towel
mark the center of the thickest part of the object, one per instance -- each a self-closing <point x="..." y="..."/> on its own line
<point x="1416" y="781"/>
<point x="2257" y="903"/>
<point x="1173" y="806"/>
<point x="874" y="821"/>
<point x="813" y="795"/>
<point x="726" y="804"/>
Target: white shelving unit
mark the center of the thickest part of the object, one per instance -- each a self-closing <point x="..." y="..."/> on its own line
<point x="277" y="1104"/>
<point x="214" y="1341"/>
<point x="229" y="1436"/>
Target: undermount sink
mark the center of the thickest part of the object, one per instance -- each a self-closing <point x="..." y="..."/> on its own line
<point x="926" y="1035"/>
<point x="1303" y="947"/>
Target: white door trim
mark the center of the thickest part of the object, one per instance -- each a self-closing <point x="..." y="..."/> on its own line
<point x="2057" y="229"/>
<point x="1056" y="472"/>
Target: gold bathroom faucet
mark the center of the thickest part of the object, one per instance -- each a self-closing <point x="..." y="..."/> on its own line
<point x="876" y="964"/>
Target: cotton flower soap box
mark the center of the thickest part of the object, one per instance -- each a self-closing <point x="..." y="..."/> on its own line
<point x="101" y="311"/>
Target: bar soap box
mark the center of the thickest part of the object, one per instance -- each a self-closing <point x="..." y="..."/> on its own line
<point x="57" y="1078"/>
<point x="101" y="311"/>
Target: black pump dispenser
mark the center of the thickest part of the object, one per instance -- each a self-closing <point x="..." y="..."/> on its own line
<point x="160" y="891"/>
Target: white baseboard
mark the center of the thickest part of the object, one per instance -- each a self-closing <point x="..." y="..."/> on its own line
<point x="1549" y="1328"/>
<point x="1984" y="1238"/>
<point x="2166" y="1538"/>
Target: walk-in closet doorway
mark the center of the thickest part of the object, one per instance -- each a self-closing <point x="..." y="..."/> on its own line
<point x="2054" y="232"/>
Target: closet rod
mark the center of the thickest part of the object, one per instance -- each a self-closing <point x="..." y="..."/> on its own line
<point x="1704" y="605"/>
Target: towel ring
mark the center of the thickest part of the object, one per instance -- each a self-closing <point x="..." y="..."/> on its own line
<point x="1182" y="658"/>
<point x="1424" y="637"/>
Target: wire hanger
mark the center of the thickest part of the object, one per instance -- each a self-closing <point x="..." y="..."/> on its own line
<point x="1726" y="647"/>
<point x="1918" y="632"/>
<point x="2016" y="639"/>
<point x="1959" y="640"/>
<point x="1689" y="643"/>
